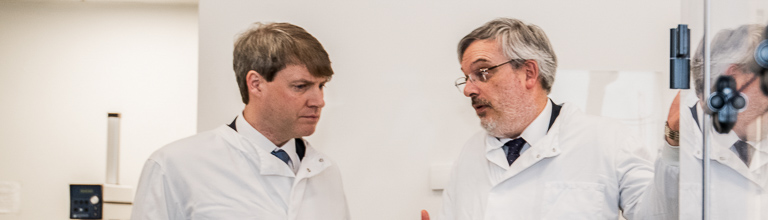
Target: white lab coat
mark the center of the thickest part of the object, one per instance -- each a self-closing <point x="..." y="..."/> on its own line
<point x="219" y="174"/>
<point x="586" y="167"/>
<point x="738" y="191"/>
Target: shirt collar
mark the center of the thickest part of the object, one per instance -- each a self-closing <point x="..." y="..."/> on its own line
<point x="727" y="140"/>
<point x="723" y="140"/>
<point x="290" y="148"/>
<point x="261" y="142"/>
<point x="534" y="132"/>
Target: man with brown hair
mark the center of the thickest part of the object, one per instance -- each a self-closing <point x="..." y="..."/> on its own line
<point x="258" y="166"/>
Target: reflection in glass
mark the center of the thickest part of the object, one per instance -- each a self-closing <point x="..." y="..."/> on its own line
<point x="739" y="157"/>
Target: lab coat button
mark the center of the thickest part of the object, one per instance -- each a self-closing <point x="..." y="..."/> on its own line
<point x="321" y="160"/>
<point x="308" y="170"/>
<point x="538" y="155"/>
<point x="554" y="150"/>
<point x="722" y="158"/>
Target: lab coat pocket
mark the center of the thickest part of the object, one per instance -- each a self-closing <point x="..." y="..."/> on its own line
<point x="573" y="200"/>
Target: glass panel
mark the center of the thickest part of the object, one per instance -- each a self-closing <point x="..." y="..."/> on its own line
<point x="738" y="151"/>
<point x="640" y="101"/>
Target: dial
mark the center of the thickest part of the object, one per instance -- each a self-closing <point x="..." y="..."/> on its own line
<point x="94" y="200"/>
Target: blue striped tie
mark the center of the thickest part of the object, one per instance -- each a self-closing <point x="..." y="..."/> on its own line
<point x="280" y="153"/>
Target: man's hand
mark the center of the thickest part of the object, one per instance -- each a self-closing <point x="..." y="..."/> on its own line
<point x="673" y="119"/>
<point x="424" y="215"/>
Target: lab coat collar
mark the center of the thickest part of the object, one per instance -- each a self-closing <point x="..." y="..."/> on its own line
<point x="536" y="130"/>
<point x="531" y="134"/>
<point x="548" y="145"/>
<point x="761" y="148"/>
<point x="492" y="148"/>
<point x="258" y="139"/>
<point x="721" y="153"/>
<point x="545" y="147"/>
<point x="539" y="127"/>
<point x="314" y="162"/>
<point x="721" y="146"/>
<point x="723" y="143"/>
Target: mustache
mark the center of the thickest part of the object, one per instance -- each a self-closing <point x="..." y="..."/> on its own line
<point x="479" y="101"/>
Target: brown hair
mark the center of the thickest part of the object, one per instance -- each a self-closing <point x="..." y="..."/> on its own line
<point x="269" y="48"/>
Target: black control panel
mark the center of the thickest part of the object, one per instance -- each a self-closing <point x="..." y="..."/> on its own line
<point x="85" y="201"/>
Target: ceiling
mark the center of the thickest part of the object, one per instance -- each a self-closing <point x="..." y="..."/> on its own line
<point x="195" y="2"/>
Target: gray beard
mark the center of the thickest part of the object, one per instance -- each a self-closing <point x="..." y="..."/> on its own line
<point x="490" y="126"/>
<point x="502" y="126"/>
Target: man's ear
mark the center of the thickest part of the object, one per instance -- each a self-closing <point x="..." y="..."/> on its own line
<point x="531" y="70"/>
<point x="733" y="70"/>
<point x="254" y="81"/>
<point x="738" y="73"/>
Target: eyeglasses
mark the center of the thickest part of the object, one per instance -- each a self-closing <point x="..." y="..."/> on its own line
<point x="482" y="75"/>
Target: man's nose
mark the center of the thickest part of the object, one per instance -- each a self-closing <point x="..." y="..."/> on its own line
<point x="470" y="89"/>
<point x="316" y="99"/>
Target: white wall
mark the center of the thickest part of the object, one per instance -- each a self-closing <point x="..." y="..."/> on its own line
<point x="63" y="66"/>
<point x="392" y="110"/>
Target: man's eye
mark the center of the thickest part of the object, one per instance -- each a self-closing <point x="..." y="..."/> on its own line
<point x="302" y="86"/>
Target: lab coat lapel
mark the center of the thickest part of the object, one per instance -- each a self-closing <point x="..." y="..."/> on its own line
<point x="546" y="147"/>
<point x="313" y="164"/>
<point x="759" y="169"/>
<point x="760" y="158"/>
<point x="723" y="157"/>
<point x="267" y="163"/>
<point x="727" y="158"/>
<point x="535" y="154"/>
<point x="720" y="154"/>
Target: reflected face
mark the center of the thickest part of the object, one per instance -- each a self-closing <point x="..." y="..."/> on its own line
<point x="502" y="100"/>
<point x="294" y="100"/>
<point x="757" y="104"/>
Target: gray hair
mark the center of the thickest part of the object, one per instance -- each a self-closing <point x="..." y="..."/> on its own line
<point x="729" y="47"/>
<point x="518" y="41"/>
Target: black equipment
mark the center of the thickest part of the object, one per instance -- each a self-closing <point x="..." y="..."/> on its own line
<point x="679" y="57"/>
<point x="761" y="58"/>
<point x="725" y="104"/>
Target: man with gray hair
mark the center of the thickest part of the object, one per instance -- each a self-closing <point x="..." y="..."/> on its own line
<point x="738" y="165"/>
<point x="258" y="166"/>
<point x="537" y="159"/>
